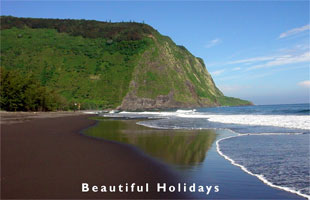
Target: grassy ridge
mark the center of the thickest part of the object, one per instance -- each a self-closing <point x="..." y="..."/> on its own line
<point x="94" y="72"/>
<point x="98" y="63"/>
<point x="85" y="28"/>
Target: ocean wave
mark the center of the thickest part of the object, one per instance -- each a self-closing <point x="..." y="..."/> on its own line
<point x="186" y="111"/>
<point x="91" y="112"/>
<point x="304" y="111"/>
<point x="259" y="176"/>
<point x="284" y="121"/>
<point x="301" y="133"/>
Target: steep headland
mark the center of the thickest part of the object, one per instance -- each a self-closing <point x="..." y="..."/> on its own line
<point x="128" y="65"/>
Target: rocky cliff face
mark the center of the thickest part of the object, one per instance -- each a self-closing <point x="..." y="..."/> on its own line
<point x="169" y="76"/>
<point x="133" y="102"/>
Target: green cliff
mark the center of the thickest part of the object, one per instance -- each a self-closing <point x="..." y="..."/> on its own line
<point x="107" y="65"/>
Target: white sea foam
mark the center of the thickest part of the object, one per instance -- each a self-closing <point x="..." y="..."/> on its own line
<point x="186" y="111"/>
<point x="259" y="176"/>
<point x="273" y="134"/>
<point x="285" y="121"/>
<point x="142" y="123"/>
<point x="91" y="112"/>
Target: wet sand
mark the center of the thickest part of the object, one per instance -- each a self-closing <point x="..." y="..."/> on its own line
<point x="193" y="156"/>
<point x="45" y="157"/>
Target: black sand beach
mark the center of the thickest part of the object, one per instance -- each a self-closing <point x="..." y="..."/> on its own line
<point x="48" y="158"/>
<point x="192" y="154"/>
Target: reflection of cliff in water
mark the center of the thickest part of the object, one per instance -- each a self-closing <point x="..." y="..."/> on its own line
<point x="179" y="147"/>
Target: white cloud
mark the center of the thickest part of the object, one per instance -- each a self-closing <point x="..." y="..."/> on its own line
<point x="242" y="76"/>
<point x="296" y="49"/>
<point x="250" y="60"/>
<point x="294" y="31"/>
<point x="284" y="60"/>
<point x="213" y="42"/>
<point x="218" y="72"/>
<point x="246" y="61"/>
<point x="236" y="69"/>
<point x="305" y="84"/>
<point x="254" y="75"/>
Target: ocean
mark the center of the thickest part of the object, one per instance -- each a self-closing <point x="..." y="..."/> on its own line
<point x="269" y="142"/>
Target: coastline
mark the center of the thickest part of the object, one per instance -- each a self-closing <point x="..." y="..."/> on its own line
<point x="48" y="158"/>
<point x="258" y="176"/>
<point x="56" y="163"/>
<point x="21" y="117"/>
<point x="248" y="186"/>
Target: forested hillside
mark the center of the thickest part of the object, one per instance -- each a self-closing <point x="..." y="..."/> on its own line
<point x="105" y="65"/>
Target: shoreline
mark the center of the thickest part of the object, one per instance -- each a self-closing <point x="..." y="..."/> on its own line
<point x="258" y="176"/>
<point x="244" y="169"/>
<point x="48" y="158"/>
<point x="273" y="191"/>
<point x="161" y="170"/>
<point x="21" y="116"/>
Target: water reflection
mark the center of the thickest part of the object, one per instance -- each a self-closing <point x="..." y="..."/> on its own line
<point x="178" y="147"/>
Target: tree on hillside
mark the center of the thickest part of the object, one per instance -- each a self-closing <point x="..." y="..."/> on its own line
<point x="19" y="93"/>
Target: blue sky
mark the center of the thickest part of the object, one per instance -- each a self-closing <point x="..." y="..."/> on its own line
<point x="256" y="50"/>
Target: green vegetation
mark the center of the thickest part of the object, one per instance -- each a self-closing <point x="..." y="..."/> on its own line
<point x="179" y="147"/>
<point x="20" y="93"/>
<point x="85" y="28"/>
<point x="98" y="64"/>
<point x="231" y="101"/>
<point x="92" y="71"/>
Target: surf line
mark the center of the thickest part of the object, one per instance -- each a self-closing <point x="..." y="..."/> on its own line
<point x="259" y="176"/>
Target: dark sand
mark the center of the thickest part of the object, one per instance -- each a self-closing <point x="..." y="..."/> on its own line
<point x="199" y="163"/>
<point x="47" y="158"/>
<point x="21" y="117"/>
